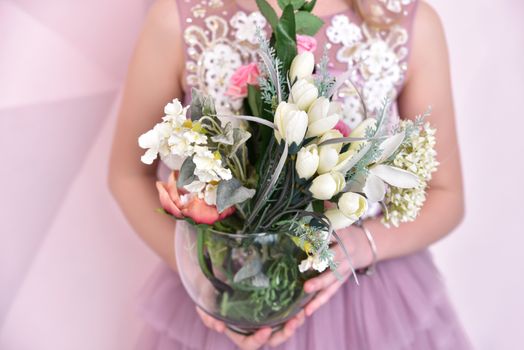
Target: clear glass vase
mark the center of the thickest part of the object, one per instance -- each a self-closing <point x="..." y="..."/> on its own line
<point x="248" y="281"/>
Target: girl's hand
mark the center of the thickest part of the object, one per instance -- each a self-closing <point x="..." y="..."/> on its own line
<point x="260" y="338"/>
<point x="327" y="284"/>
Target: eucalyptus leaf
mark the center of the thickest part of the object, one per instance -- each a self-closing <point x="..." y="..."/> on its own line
<point x="227" y="137"/>
<point x="250" y="269"/>
<point x="187" y="173"/>
<point x="232" y="192"/>
<point x="267" y="11"/>
<point x="201" y="105"/>
<point x="307" y="23"/>
<point x="295" y="3"/>
<point x="240" y="136"/>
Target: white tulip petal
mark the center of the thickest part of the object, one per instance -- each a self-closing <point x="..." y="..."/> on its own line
<point x="323" y="187"/>
<point x="337" y="219"/>
<point x="395" y="176"/>
<point x="374" y="189"/>
<point x="328" y="159"/>
<point x="318" y="110"/>
<point x="390" y="145"/>
<point x="322" y="126"/>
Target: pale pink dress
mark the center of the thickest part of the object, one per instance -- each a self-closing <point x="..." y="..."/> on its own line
<point x="404" y="304"/>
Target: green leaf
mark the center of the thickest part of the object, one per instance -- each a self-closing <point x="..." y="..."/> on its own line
<point x="308" y="6"/>
<point x="307" y="23"/>
<point x="318" y="206"/>
<point x="296" y="3"/>
<point x="232" y="192"/>
<point x="268" y="12"/>
<point x="254" y="99"/>
<point x="187" y="173"/>
<point x="286" y="44"/>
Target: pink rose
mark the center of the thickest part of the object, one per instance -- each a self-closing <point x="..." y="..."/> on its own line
<point x="343" y="128"/>
<point x="243" y="76"/>
<point x="189" y="207"/>
<point x="306" y="43"/>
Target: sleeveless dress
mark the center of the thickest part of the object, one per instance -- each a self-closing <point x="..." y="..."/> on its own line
<point x="404" y="304"/>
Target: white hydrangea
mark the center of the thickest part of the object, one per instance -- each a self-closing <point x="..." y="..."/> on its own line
<point x="174" y="136"/>
<point x="418" y="156"/>
<point x="209" y="166"/>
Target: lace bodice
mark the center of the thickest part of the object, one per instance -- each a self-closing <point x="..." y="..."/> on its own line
<point x="220" y="36"/>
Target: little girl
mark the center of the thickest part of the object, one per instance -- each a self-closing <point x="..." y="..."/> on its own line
<point x="397" y="49"/>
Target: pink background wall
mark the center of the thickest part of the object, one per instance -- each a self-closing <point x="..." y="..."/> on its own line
<point x="70" y="266"/>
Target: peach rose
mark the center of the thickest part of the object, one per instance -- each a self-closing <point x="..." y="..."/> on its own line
<point x="244" y="75"/>
<point x="306" y="43"/>
<point x="343" y="128"/>
<point x="188" y="205"/>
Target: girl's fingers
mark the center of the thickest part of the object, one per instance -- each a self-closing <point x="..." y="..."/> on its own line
<point x="252" y="342"/>
<point x="211" y="322"/>
<point x="289" y="329"/>
<point x="322" y="298"/>
<point x="326" y="279"/>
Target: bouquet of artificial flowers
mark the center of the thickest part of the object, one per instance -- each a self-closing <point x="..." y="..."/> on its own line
<point x="263" y="193"/>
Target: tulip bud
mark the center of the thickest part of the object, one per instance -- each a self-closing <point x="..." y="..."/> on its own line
<point x="337" y="219"/>
<point x="307" y="161"/>
<point x="319" y="121"/>
<point x="352" y="205"/>
<point x="302" y="66"/>
<point x="290" y="123"/>
<point x="318" y="109"/>
<point x="328" y="159"/>
<point x="303" y="94"/>
<point x="360" y="131"/>
<point x="327" y="185"/>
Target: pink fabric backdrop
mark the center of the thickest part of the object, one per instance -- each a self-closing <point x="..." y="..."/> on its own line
<point x="70" y="266"/>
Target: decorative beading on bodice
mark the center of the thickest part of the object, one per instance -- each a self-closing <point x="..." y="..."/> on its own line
<point x="220" y="36"/>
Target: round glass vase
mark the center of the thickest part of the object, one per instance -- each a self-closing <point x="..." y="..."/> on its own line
<point x="248" y="281"/>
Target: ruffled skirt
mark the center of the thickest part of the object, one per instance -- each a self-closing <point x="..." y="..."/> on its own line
<point x="402" y="306"/>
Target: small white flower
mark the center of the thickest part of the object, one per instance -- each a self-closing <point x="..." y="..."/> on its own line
<point x="155" y="142"/>
<point x="195" y="186"/>
<point x="314" y="262"/>
<point x="210" y="194"/>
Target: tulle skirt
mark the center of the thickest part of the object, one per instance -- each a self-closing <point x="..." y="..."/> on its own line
<point x="402" y="306"/>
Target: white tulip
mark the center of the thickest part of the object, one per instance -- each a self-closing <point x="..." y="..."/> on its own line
<point x="290" y="123"/>
<point x="327" y="185"/>
<point x="318" y="109"/>
<point x="360" y="131"/>
<point x="329" y="135"/>
<point x="307" y="161"/>
<point x="352" y="205"/>
<point x="303" y="94"/>
<point x="337" y="219"/>
<point x="328" y="159"/>
<point x="320" y="120"/>
<point x="302" y="66"/>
